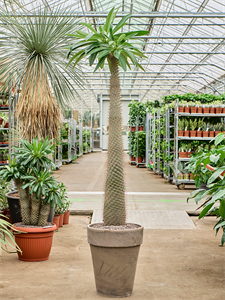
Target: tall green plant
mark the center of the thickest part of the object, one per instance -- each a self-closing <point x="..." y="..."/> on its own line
<point x="106" y="44"/>
<point x="33" y="59"/>
<point x="31" y="171"/>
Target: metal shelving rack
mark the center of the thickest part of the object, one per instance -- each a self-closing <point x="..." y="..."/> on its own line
<point x="79" y="131"/>
<point x="181" y="183"/>
<point x="148" y="127"/>
<point x="68" y="141"/>
<point x="153" y="141"/>
<point x="168" y="139"/>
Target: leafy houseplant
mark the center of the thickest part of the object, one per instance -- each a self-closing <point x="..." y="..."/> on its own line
<point x="193" y="126"/>
<point x="38" y="190"/>
<point x="140" y="145"/>
<point x="106" y="44"/>
<point x="215" y="201"/>
<point x="133" y="113"/>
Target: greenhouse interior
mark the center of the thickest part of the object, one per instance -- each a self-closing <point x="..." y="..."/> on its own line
<point x="112" y="149"/>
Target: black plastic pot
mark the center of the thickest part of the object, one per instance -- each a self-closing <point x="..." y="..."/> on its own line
<point x="14" y="209"/>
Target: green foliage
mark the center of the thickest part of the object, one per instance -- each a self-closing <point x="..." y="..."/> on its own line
<point x="141" y="136"/>
<point x="189" y="97"/>
<point x="31" y="169"/>
<point x="193" y="124"/>
<point x="105" y="41"/>
<point x="181" y="124"/>
<point x="215" y="201"/>
<point x="131" y="142"/>
<point x="4" y="189"/>
<point x="7" y="237"/>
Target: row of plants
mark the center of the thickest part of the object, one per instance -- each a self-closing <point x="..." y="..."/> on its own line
<point x="4" y="100"/>
<point x="194" y="98"/>
<point x="196" y="127"/>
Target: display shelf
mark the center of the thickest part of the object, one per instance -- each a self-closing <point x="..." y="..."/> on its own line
<point x="200" y="115"/>
<point x="184" y="159"/>
<point x="195" y="138"/>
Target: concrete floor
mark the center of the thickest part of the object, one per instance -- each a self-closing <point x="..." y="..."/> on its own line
<point x="173" y="265"/>
<point x="145" y="190"/>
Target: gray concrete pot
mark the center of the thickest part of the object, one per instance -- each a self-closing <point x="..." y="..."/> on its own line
<point x="114" y="256"/>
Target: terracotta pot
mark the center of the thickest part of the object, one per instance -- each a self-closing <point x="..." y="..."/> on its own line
<point x="182" y="154"/>
<point x="193" y="133"/>
<point x="212" y="110"/>
<point x="205" y="110"/>
<point x="6" y="213"/>
<point x="56" y="221"/>
<point x="66" y="217"/>
<point x="141" y="128"/>
<point x="199" y="133"/>
<point x="181" y="109"/>
<point x="223" y="110"/>
<point x="132" y="128"/>
<point x="140" y="159"/>
<point x="205" y="133"/>
<point x="193" y="110"/>
<point x="61" y="220"/>
<point x="186" y="132"/>
<point x="218" y="110"/>
<point x="1" y="121"/>
<point x="211" y="133"/>
<point x="6" y="125"/>
<point x="217" y="132"/>
<point x="186" y="109"/>
<point x="188" y="154"/>
<point x="133" y="158"/>
<point x="180" y="132"/>
<point x="199" y="110"/>
<point x="114" y="256"/>
<point x="35" y="243"/>
<point x="3" y="162"/>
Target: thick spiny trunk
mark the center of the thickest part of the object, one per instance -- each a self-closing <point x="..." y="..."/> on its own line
<point x="44" y="212"/>
<point x="114" y="203"/>
<point x="25" y="205"/>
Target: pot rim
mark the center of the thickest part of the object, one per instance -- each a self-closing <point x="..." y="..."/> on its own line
<point x="34" y="229"/>
<point x="9" y="194"/>
<point x="115" y="238"/>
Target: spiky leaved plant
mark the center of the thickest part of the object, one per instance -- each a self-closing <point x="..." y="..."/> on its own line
<point x="106" y="43"/>
<point x="31" y="171"/>
<point x="33" y="60"/>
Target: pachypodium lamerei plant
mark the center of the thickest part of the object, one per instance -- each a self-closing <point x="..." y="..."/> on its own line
<point x="31" y="169"/>
<point x="106" y="44"/>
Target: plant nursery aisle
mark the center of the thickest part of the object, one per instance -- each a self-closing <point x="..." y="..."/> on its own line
<point x="150" y="199"/>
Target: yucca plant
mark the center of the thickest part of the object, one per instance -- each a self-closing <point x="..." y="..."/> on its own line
<point x="31" y="171"/>
<point x="33" y="61"/>
<point x="106" y="44"/>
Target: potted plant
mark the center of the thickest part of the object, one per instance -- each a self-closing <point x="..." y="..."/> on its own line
<point x="211" y="130"/>
<point x="31" y="169"/>
<point x="193" y="127"/>
<point x="205" y="109"/>
<point x="187" y="108"/>
<point x="141" y="115"/>
<point x="180" y="127"/>
<point x="193" y="107"/>
<point x="181" y="107"/>
<point x="218" y="128"/>
<point x="205" y="130"/>
<point x="140" y="146"/>
<point x="133" y="113"/>
<point x="4" y="206"/>
<point x="114" y="244"/>
<point x="200" y="126"/>
<point x="186" y="127"/>
<point x="200" y="108"/>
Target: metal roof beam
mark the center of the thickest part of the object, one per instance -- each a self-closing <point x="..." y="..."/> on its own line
<point x="160" y="15"/>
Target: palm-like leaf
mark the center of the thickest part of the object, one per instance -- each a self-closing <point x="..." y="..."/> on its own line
<point x="106" y="43"/>
<point x="33" y="59"/>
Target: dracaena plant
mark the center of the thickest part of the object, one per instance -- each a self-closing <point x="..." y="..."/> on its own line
<point x="215" y="201"/>
<point x="31" y="169"/>
<point x="108" y="44"/>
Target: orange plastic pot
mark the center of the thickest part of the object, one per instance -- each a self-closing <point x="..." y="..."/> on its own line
<point x="141" y="128"/>
<point x="61" y="220"/>
<point x="132" y="128"/>
<point x="35" y="243"/>
<point x="56" y="221"/>
<point x="140" y="160"/>
<point x="66" y="217"/>
<point x="181" y="109"/>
